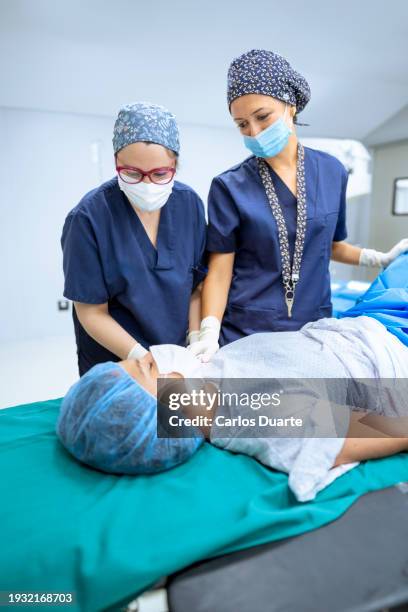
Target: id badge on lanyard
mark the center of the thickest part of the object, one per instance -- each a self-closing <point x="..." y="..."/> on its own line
<point x="290" y="271"/>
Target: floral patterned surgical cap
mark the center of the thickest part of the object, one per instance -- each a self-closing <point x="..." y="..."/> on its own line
<point x="144" y="122"/>
<point x="265" y="72"/>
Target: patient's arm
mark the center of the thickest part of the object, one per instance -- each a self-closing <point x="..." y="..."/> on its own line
<point x="366" y="439"/>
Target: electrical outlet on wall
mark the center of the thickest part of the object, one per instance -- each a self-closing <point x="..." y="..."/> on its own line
<point x="63" y="304"/>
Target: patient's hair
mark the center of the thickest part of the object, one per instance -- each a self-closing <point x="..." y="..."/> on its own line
<point x="109" y="421"/>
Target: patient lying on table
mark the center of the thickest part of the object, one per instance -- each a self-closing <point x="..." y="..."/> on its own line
<point x="108" y="418"/>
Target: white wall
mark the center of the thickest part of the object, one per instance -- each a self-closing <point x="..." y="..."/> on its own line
<point x="47" y="162"/>
<point x="390" y="162"/>
<point x="392" y="130"/>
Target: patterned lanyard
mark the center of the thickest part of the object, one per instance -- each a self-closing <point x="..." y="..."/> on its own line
<point x="290" y="275"/>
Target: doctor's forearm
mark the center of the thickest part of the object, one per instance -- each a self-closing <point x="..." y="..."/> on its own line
<point x="214" y="299"/>
<point x="194" y="317"/>
<point x="99" y="324"/>
<point x="214" y="296"/>
<point x="345" y="253"/>
<point x="216" y="286"/>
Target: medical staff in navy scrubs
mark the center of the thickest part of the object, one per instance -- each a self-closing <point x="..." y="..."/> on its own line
<point x="133" y="247"/>
<point x="277" y="218"/>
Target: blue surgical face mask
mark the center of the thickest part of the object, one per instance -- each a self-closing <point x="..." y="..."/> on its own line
<point x="270" y="141"/>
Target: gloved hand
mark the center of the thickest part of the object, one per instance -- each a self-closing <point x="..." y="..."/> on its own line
<point x="370" y="257"/>
<point x="137" y="352"/>
<point x="207" y="344"/>
<point x="193" y="337"/>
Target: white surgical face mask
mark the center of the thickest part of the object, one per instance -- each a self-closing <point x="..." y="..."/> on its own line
<point x="146" y="196"/>
<point x="173" y="358"/>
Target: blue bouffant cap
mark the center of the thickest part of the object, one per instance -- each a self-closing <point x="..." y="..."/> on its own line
<point x="144" y="122"/>
<point x="268" y="73"/>
<point x="109" y="421"/>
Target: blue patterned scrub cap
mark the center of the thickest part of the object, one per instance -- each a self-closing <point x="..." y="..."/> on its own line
<point x="108" y="421"/>
<point x="144" y="122"/>
<point x="268" y="73"/>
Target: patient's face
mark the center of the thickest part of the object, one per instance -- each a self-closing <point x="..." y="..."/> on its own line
<point x="145" y="372"/>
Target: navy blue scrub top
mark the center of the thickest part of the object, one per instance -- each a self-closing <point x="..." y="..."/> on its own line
<point x="108" y="257"/>
<point x="240" y="221"/>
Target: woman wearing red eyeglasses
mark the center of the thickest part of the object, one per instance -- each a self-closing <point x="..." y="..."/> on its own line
<point x="133" y="247"/>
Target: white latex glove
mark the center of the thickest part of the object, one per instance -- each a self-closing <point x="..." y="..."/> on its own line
<point x="137" y="352"/>
<point x="370" y="257"/>
<point x="207" y="344"/>
<point x="193" y="337"/>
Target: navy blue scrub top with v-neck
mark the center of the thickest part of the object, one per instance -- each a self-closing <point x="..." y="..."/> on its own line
<point x="240" y="221"/>
<point x="108" y="257"/>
